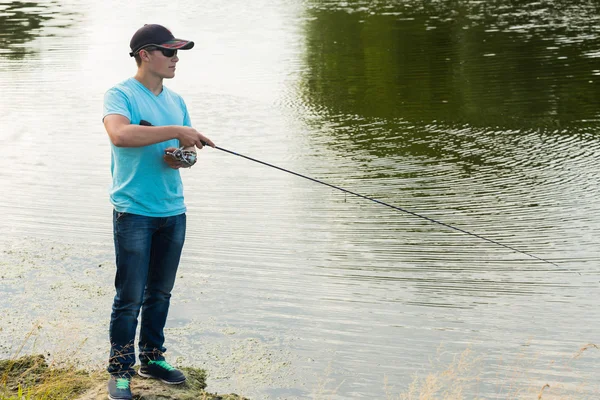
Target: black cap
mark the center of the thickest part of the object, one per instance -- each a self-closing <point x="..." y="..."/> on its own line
<point x="157" y="36"/>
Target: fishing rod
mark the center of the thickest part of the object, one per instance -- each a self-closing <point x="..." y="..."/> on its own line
<point x="378" y="202"/>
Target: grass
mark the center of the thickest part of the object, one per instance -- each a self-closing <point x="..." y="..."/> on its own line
<point x="450" y="383"/>
<point x="32" y="378"/>
<point x="461" y="376"/>
<point x="460" y="379"/>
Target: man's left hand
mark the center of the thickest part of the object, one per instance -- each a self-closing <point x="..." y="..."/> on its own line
<point x="170" y="160"/>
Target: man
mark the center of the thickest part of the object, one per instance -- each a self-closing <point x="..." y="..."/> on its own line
<point x="149" y="218"/>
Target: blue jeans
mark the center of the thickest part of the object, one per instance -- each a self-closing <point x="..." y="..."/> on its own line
<point x="147" y="251"/>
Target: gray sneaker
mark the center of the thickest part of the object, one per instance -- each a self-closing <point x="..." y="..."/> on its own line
<point x="118" y="388"/>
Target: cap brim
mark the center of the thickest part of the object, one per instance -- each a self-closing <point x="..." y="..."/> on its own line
<point x="178" y="44"/>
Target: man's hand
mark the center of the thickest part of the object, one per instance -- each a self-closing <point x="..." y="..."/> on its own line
<point x="189" y="137"/>
<point x="170" y="160"/>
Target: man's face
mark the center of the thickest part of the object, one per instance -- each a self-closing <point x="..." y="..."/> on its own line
<point x="161" y="62"/>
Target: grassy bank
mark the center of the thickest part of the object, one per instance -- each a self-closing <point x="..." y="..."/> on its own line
<point x="31" y="378"/>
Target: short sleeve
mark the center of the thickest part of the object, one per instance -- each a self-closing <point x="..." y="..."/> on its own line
<point x="116" y="102"/>
<point x="186" y="116"/>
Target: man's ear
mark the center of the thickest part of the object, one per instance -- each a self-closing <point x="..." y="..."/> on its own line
<point x="144" y="55"/>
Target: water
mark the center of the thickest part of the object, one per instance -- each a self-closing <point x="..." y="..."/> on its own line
<point x="482" y="115"/>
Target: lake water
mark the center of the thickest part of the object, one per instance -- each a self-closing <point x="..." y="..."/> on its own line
<point x="482" y="115"/>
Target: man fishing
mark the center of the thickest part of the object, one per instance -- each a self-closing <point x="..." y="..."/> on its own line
<point x="149" y="219"/>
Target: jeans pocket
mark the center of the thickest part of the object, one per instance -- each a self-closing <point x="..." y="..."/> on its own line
<point x="119" y="215"/>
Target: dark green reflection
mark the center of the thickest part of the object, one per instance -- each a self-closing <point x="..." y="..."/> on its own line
<point x="23" y="21"/>
<point x="502" y="63"/>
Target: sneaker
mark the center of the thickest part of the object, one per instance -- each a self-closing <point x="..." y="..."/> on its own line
<point x="162" y="370"/>
<point x="118" y="388"/>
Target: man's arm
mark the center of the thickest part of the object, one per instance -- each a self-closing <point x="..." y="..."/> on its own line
<point x="124" y="134"/>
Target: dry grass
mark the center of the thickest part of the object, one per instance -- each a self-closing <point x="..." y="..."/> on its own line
<point x="449" y="377"/>
<point x="542" y="391"/>
<point x="584" y="348"/>
<point x="460" y="378"/>
<point x="31" y="377"/>
<point x="322" y="390"/>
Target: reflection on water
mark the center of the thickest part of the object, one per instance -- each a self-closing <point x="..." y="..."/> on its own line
<point x="480" y="114"/>
<point x="22" y="21"/>
<point x="509" y="64"/>
<point x="488" y="99"/>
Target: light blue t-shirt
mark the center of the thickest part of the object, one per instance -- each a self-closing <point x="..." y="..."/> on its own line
<point x="143" y="183"/>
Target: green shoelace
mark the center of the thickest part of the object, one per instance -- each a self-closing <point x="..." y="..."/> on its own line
<point x="122" y="383"/>
<point x="162" y="364"/>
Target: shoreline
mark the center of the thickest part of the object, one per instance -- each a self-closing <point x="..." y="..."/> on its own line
<point x="30" y="377"/>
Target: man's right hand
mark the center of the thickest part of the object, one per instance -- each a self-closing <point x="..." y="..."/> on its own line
<point x="189" y="137"/>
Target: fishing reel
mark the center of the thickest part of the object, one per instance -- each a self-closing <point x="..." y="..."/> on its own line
<point x="185" y="156"/>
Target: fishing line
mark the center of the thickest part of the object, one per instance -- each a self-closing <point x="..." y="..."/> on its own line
<point x="388" y="205"/>
<point x="380" y="203"/>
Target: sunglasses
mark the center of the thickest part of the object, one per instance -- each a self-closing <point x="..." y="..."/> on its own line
<point x="169" y="53"/>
